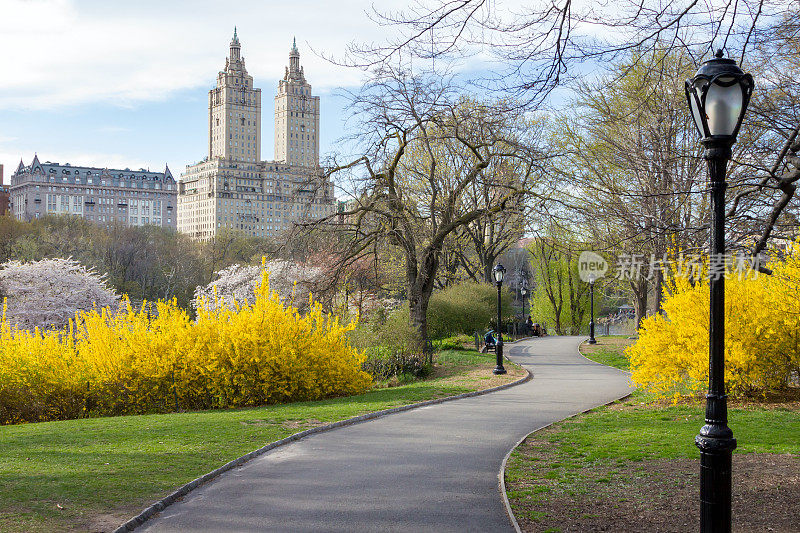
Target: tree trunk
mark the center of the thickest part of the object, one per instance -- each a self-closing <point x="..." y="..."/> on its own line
<point x="420" y="284"/>
<point x="418" y="307"/>
<point x="488" y="267"/>
<point x="559" y="329"/>
<point x="659" y="290"/>
<point x="640" y="290"/>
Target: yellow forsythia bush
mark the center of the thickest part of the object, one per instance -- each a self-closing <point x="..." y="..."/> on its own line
<point x="762" y="334"/>
<point x="108" y="363"/>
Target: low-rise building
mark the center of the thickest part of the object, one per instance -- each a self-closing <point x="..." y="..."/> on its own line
<point x="100" y="195"/>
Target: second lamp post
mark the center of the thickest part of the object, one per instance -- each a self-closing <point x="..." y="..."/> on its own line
<point x="498" y="272"/>
<point x="592" y="340"/>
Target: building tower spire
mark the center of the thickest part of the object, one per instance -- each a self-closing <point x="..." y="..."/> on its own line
<point x="294" y="61"/>
<point x="235" y="47"/>
<point x="296" y="117"/>
<point x="234" y="111"/>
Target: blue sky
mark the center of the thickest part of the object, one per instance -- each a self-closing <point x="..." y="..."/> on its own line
<point x="124" y="84"/>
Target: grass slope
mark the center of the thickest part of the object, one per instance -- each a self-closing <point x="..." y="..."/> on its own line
<point x="92" y="474"/>
<point x="608" y="351"/>
<point x="633" y="465"/>
<point x="632" y="460"/>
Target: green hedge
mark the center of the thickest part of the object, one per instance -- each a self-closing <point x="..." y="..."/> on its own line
<point x="464" y="309"/>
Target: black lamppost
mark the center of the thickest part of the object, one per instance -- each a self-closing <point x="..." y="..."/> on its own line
<point x="718" y="96"/>
<point x="592" y="340"/>
<point x="498" y="273"/>
<point x="523" y="291"/>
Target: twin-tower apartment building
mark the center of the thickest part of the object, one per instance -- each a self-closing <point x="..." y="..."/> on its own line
<point x="232" y="188"/>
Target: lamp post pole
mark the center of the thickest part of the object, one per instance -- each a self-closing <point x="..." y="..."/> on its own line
<point x="718" y="96"/>
<point x="716" y="440"/>
<point x="499" y="271"/>
<point x="592" y="340"/>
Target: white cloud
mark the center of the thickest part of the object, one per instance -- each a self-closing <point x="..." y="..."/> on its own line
<point x="67" y="52"/>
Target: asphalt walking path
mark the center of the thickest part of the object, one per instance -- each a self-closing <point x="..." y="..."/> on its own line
<point x="428" y="469"/>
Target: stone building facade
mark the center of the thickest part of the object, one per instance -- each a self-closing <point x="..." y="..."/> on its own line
<point x="232" y="188"/>
<point x="101" y="195"/>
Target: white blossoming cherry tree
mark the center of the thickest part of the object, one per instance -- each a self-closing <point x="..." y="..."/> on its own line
<point x="47" y="293"/>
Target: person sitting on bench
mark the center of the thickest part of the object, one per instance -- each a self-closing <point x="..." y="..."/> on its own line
<point x="489" y="342"/>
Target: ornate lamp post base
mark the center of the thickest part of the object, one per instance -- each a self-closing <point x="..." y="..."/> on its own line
<point x="716" y="445"/>
<point x="499" y="369"/>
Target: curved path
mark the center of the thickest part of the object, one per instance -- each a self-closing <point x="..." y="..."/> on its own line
<point x="428" y="469"/>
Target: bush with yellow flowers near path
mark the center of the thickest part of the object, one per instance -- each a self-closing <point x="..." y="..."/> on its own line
<point x="762" y="334"/>
<point x="109" y="363"/>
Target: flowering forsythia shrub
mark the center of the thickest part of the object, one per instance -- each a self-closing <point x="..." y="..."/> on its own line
<point x="762" y="334"/>
<point x="111" y="363"/>
<point x="238" y="283"/>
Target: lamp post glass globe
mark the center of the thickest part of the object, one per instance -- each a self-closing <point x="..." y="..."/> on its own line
<point x="498" y="273"/>
<point x="718" y="96"/>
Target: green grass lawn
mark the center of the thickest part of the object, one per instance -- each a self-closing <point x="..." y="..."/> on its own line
<point x="604" y="459"/>
<point x="609" y="350"/>
<point x="638" y="433"/>
<point x="594" y="456"/>
<point x="93" y="474"/>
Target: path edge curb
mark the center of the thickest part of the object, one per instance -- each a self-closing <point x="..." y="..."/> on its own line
<point x="182" y="491"/>
<point x="502" y="475"/>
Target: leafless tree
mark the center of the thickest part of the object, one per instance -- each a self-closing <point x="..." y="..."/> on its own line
<point x="764" y="203"/>
<point x="531" y="50"/>
<point x="486" y="239"/>
<point x="424" y="148"/>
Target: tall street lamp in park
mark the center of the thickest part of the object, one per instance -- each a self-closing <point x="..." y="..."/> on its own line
<point x="523" y="291"/>
<point x="718" y="96"/>
<point x="592" y="340"/>
<point x="498" y="272"/>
